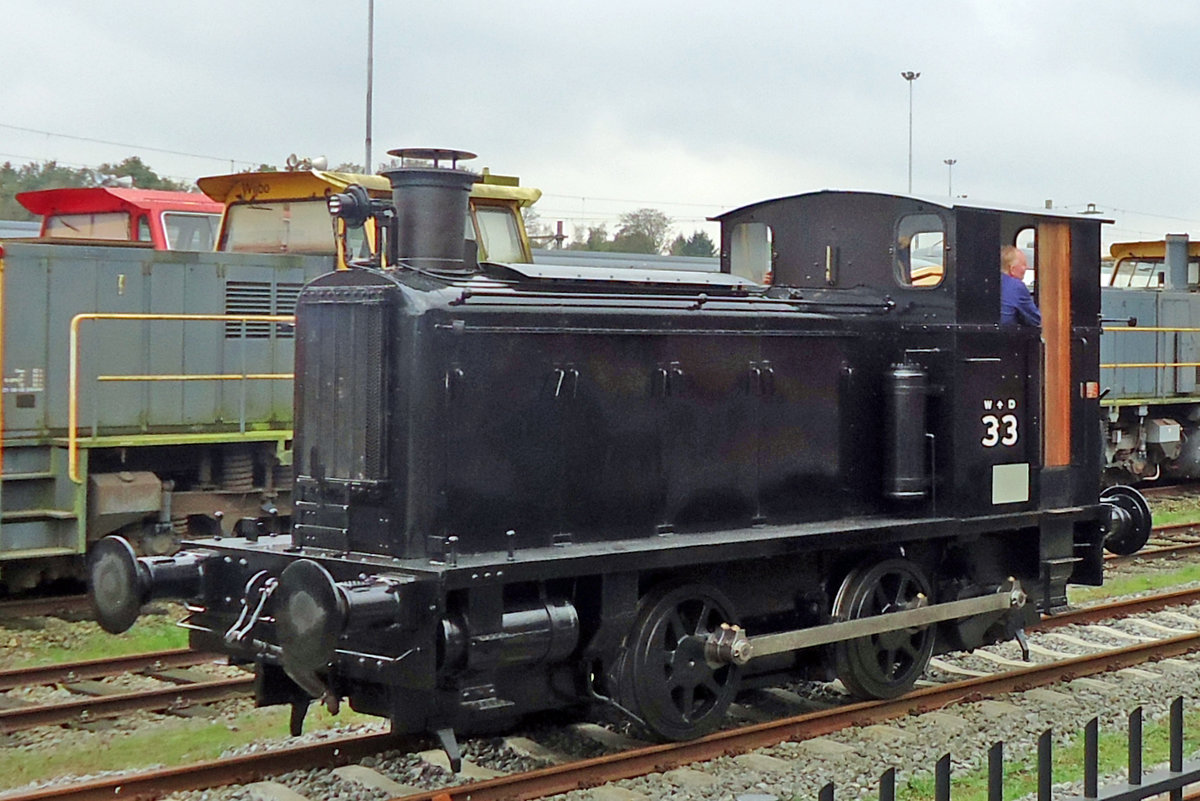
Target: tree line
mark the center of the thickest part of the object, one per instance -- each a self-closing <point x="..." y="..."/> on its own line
<point x="52" y="175"/>
<point x="645" y="230"/>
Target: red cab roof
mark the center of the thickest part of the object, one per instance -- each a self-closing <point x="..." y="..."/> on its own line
<point x="84" y="200"/>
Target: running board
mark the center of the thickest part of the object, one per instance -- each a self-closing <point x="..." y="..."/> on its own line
<point x="729" y="644"/>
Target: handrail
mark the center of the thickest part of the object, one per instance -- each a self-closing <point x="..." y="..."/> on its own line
<point x="73" y="367"/>
<point x="1149" y="364"/>
<point x="1149" y="329"/>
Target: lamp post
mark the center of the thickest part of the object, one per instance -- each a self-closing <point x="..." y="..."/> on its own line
<point x="950" y="175"/>
<point x="370" y="78"/>
<point x="910" y="76"/>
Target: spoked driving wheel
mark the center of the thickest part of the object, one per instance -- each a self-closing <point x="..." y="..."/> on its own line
<point x="883" y="665"/>
<point x="663" y="677"/>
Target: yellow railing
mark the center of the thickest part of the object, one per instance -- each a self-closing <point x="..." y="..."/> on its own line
<point x="73" y="367"/>
<point x="1150" y="330"/>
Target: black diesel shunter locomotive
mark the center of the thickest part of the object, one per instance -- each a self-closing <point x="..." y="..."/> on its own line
<point x="521" y="487"/>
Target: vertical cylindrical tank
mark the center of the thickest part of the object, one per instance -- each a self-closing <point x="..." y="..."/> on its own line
<point x="906" y="470"/>
<point x="431" y="209"/>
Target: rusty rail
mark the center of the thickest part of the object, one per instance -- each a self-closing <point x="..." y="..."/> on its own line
<point x="98" y="668"/>
<point x="217" y="773"/>
<point x="34" y="607"/>
<point x="172" y="697"/>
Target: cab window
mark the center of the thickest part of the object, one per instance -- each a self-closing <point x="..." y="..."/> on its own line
<point x="1026" y="240"/>
<point x="143" y="229"/>
<point x="751" y="252"/>
<point x="284" y="226"/>
<point x="1149" y="273"/>
<point x="106" y="225"/>
<point x="187" y="231"/>
<point x="499" y="234"/>
<point x="920" y="251"/>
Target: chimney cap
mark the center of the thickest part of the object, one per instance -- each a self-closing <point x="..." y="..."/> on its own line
<point x="434" y="154"/>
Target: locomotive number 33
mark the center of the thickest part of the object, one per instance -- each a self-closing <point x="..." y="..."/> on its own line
<point x="999" y="427"/>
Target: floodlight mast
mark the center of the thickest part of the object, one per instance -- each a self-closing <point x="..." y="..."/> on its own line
<point x="910" y="76"/>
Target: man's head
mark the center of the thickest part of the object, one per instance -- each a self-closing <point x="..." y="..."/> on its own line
<point x="1012" y="262"/>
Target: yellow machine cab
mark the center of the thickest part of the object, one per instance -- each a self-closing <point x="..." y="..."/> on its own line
<point x="1142" y="265"/>
<point x="285" y="212"/>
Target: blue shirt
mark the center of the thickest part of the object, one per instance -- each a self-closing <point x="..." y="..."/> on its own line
<point x="1016" y="304"/>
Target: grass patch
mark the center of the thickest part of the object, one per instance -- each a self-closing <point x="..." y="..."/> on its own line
<point x="61" y="641"/>
<point x="1020" y="775"/>
<point x="169" y="743"/>
<point x="1128" y="585"/>
<point x="148" y="634"/>
<point x="1174" y="517"/>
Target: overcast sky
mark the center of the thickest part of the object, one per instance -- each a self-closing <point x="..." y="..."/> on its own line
<point x="689" y="107"/>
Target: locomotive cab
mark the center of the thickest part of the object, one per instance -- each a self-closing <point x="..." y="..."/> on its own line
<point x="522" y="487"/>
<point x="925" y="279"/>
<point x="1006" y="421"/>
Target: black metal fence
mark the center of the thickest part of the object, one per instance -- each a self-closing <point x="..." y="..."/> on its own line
<point x="1170" y="780"/>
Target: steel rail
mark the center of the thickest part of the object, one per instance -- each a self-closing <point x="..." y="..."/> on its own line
<point x="218" y="772"/>
<point x="172" y="697"/>
<point x="105" y="666"/>
<point x="1117" y="609"/>
<point x="1153" y="553"/>
<point x="32" y="607"/>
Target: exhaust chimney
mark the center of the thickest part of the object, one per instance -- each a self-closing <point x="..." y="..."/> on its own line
<point x="431" y="209"/>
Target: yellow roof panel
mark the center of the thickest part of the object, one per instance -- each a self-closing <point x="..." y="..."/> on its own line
<point x="245" y="186"/>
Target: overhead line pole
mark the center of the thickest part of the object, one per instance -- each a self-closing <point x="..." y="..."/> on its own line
<point x="370" y="77"/>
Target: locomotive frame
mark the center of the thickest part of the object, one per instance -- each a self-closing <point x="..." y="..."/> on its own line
<point x="528" y="487"/>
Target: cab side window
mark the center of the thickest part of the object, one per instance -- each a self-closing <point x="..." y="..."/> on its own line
<point x="752" y="252"/>
<point x="920" y="251"/>
<point x="1026" y="240"/>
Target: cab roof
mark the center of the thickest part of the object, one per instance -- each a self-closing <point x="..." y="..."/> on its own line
<point x="306" y="184"/>
<point x="943" y="202"/>
<point x="99" y="199"/>
<point x="1154" y="249"/>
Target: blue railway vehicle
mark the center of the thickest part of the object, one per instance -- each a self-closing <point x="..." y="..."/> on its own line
<point x="144" y="390"/>
<point x="1150" y="361"/>
<point x="10" y="229"/>
<point x="523" y="487"/>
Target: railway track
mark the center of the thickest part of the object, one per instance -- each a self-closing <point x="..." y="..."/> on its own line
<point x="1168" y="541"/>
<point x="639" y="760"/>
<point x="176" y="688"/>
<point x="38" y="607"/>
<point x="155" y="661"/>
<point x="1186" y="490"/>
